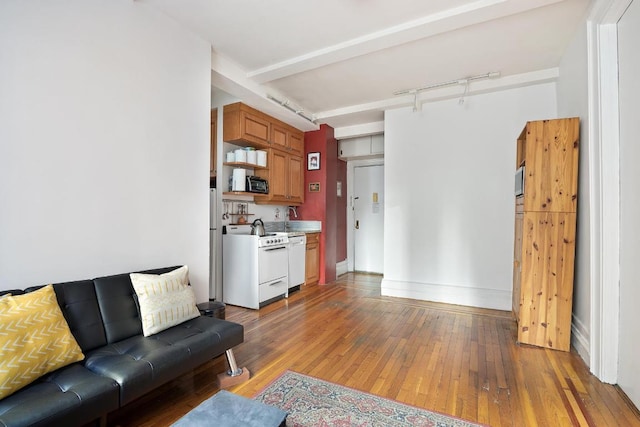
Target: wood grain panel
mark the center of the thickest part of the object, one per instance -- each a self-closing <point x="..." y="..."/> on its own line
<point x="547" y="279"/>
<point x="551" y="171"/>
<point x="246" y="126"/>
<point x="279" y="136"/>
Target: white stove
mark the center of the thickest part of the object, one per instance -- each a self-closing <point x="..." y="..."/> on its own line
<point x="269" y="239"/>
<point x="255" y="268"/>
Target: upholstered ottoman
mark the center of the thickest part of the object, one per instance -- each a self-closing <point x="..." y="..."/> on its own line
<point x="226" y="409"/>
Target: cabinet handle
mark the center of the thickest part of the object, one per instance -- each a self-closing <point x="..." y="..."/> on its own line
<point x="275" y="283"/>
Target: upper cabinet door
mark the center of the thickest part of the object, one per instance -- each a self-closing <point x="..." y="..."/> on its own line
<point x="296" y="142"/>
<point x="278" y="175"/>
<point x="245" y="126"/>
<point x="279" y="137"/>
<point x="296" y="180"/>
<point x="254" y="128"/>
<point x="286" y="138"/>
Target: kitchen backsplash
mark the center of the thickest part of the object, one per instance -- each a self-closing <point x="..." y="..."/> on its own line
<point x="273" y="216"/>
<point x="251" y="212"/>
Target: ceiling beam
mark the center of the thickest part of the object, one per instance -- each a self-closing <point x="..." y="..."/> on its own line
<point x="364" y="129"/>
<point x="231" y="78"/>
<point x="438" y="23"/>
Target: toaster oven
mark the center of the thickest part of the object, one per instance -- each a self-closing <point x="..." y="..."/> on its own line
<point x="257" y="185"/>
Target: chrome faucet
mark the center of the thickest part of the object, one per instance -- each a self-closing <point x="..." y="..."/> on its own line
<point x="295" y="212"/>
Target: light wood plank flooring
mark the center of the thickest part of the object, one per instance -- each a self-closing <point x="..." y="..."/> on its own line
<point x="456" y="360"/>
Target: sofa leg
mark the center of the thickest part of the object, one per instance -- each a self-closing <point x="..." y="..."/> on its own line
<point x="234" y="371"/>
<point x="234" y="375"/>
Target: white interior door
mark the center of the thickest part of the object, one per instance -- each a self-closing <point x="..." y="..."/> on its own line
<point x="629" y="93"/>
<point x="368" y="218"/>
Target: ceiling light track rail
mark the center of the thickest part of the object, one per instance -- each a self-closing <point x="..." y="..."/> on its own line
<point x="464" y="81"/>
<point x="417" y="104"/>
<point x="287" y="104"/>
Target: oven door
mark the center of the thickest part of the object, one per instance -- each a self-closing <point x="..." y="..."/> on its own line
<point x="272" y="272"/>
<point x="273" y="263"/>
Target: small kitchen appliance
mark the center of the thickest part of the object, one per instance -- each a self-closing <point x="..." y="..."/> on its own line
<point x="257" y="228"/>
<point x="257" y="185"/>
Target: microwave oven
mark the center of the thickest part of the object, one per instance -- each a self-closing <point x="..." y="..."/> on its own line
<point x="519" y="187"/>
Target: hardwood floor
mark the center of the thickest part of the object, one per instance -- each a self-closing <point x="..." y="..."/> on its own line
<point x="456" y="360"/>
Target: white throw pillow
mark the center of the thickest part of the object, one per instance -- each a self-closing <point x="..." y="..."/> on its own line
<point x="165" y="300"/>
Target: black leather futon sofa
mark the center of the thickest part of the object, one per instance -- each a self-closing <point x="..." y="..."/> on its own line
<point x="120" y="364"/>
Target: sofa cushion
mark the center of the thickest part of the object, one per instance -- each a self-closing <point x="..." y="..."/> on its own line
<point x="165" y="300"/>
<point x="140" y="364"/>
<point x="34" y="339"/>
<point x="117" y="305"/>
<point x="69" y="396"/>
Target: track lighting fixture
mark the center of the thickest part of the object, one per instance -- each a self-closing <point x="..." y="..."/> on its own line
<point x="465" y="83"/>
<point x="287" y="104"/>
<point x="417" y="105"/>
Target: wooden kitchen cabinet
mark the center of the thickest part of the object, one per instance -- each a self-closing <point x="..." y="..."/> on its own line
<point x="214" y="143"/>
<point x="312" y="259"/>
<point x="246" y="126"/>
<point x="285" y="175"/>
<point x="296" y="142"/>
<point x="545" y="232"/>
<point x="296" y="179"/>
<point x="287" y="138"/>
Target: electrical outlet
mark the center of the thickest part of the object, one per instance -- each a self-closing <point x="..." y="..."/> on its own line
<point x="277" y="213"/>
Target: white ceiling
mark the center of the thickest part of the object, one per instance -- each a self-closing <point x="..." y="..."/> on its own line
<point x="340" y="61"/>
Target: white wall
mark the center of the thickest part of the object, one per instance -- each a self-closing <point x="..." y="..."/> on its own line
<point x="629" y="62"/>
<point x="449" y="212"/>
<point x="104" y="142"/>
<point x="573" y="102"/>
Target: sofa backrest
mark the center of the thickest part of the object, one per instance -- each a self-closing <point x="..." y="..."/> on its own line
<point x="99" y="311"/>
<point x="79" y="305"/>
<point x="118" y="304"/>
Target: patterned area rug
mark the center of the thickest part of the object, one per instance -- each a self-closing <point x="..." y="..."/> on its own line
<point x="313" y="402"/>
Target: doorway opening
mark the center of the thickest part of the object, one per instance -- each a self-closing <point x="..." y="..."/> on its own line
<point x="365" y="216"/>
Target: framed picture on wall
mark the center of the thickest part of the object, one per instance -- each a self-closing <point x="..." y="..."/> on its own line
<point x="313" y="161"/>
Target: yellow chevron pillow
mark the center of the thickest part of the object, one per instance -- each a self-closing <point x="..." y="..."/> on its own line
<point x="165" y="300"/>
<point x="34" y="339"/>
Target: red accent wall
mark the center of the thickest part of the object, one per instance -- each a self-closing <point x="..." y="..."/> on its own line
<point x="324" y="205"/>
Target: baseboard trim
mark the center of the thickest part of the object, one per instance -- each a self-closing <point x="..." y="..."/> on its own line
<point x="342" y="267"/>
<point x="580" y="339"/>
<point x="459" y="295"/>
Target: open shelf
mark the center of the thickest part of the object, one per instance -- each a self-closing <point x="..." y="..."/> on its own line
<point x="244" y="165"/>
